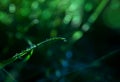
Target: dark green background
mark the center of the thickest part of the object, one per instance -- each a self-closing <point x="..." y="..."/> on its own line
<point x="89" y="55"/>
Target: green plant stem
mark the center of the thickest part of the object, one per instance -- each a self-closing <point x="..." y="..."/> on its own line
<point x="24" y="52"/>
<point x="95" y="15"/>
<point x="98" y="11"/>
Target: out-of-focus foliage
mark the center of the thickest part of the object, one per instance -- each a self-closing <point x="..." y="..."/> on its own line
<point x="112" y="15"/>
<point x="91" y="53"/>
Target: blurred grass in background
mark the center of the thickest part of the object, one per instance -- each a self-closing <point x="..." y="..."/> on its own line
<point x="92" y="30"/>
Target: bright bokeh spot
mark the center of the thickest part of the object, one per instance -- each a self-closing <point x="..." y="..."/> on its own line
<point x="67" y="19"/>
<point x="12" y="8"/>
<point x="35" y="5"/>
<point x="85" y="27"/>
<point x="77" y="35"/>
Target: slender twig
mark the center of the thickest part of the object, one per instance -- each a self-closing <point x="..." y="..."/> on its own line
<point x="24" y="52"/>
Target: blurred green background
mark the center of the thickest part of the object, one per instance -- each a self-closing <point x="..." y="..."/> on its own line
<point x="92" y="50"/>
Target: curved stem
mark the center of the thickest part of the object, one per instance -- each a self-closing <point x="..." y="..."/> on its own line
<point x="24" y="52"/>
